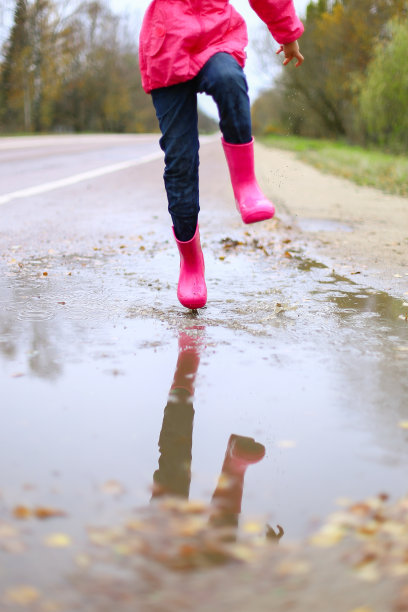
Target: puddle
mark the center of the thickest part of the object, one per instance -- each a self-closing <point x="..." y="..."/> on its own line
<point x="323" y="225"/>
<point x="114" y="395"/>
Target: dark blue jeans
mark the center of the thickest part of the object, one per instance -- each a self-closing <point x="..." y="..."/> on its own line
<point x="176" y="109"/>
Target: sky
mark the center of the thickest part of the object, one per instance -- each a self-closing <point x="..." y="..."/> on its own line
<point x="258" y="76"/>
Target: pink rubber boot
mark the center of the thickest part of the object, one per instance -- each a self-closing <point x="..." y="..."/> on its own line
<point x="191" y="290"/>
<point x="250" y="201"/>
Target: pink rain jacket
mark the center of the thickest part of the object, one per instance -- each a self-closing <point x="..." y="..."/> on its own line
<point x="179" y="36"/>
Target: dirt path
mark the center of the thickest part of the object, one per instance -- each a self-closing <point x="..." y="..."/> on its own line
<point x="360" y="229"/>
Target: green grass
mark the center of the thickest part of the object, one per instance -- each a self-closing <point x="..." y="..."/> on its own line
<point x="368" y="167"/>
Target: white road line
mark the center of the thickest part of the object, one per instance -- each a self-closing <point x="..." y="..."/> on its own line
<point x="77" y="178"/>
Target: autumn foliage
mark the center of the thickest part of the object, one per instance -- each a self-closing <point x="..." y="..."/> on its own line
<point x="72" y="70"/>
<point x="351" y="47"/>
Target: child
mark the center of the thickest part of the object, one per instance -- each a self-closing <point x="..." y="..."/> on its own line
<point x="191" y="46"/>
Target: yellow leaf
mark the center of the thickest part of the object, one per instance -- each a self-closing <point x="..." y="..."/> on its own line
<point x="23" y="595"/>
<point x="242" y="553"/>
<point x="328" y="536"/>
<point x="192" y="526"/>
<point x="58" y="540"/>
<point x="400" y="569"/>
<point x="368" y="573"/>
<point x="403" y="424"/>
<point x="252" y="527"/>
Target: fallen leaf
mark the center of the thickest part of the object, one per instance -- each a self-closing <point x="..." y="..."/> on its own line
<point x="15" y="547"/>
<point x="368" y="573"/>
<point x="22" y="513"/>
<point x="46" y="513"/>
<point x="253" y="527"/>
<point x="403" y="424"/>
<point x="58" y="540"/>
<point x="360" y="509"/>
<point x="113" y="487"/>
<point x="192" y="526"/>
<point x="23" y="595"/>
<point x="7" y="531"/>
<point x="328" y="536"/>
<point x="242" y="553"/>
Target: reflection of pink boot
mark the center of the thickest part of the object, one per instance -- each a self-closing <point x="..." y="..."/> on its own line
<point x="250" y="201"/>
<point x="187" y="363"/>
<point x="191" y="291"/>
<point x="227" y="498"/>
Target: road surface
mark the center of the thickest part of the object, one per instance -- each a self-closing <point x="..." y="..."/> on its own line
<point x="294" y="352"/>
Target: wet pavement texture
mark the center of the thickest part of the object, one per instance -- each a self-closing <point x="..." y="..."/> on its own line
<point x="291" y="381"/>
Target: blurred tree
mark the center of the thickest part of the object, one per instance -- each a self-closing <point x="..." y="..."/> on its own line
<point x="71" y="72"/>
<point x="321" y="98"/>
<point x="15" y="100"/>
<point x="384" y="94"/>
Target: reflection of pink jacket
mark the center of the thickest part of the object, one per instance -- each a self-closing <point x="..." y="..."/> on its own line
<point x="179" y="36"/>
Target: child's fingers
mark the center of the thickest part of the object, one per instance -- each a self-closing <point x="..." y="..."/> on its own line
<point x="298" y="56"/>
<point x="279" y="50"/>
<point x="300" y="59"/>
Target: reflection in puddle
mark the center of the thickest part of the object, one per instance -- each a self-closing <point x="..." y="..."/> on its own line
<point x="306" y="265"/>
<point x="173" y="477"/>
<point x="277" y="366"/>
<point x="351" y="299"/>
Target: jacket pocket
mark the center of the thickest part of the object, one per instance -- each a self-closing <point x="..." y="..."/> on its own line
<point x="157" y="35"/>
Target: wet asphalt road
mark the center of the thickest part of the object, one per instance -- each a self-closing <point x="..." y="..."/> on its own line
<point x="306" y="362"/>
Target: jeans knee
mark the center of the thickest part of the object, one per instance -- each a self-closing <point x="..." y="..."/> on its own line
<point x="183" y="167"/>
<point x="225" y="76"/>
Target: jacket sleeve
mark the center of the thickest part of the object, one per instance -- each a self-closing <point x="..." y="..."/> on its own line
<point x="281" y="19"/>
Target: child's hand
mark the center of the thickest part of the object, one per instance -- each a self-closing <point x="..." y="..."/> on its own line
<point x="291" y="52"/>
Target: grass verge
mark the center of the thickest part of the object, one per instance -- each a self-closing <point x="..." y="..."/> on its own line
<point x="367" y="167"/>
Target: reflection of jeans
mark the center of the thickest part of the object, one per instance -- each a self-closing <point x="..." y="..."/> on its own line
<point x="176" y="438"/>
<point x="176" y="108"/>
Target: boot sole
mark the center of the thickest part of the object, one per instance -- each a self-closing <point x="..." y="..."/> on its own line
<point x="257" y="216"/>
